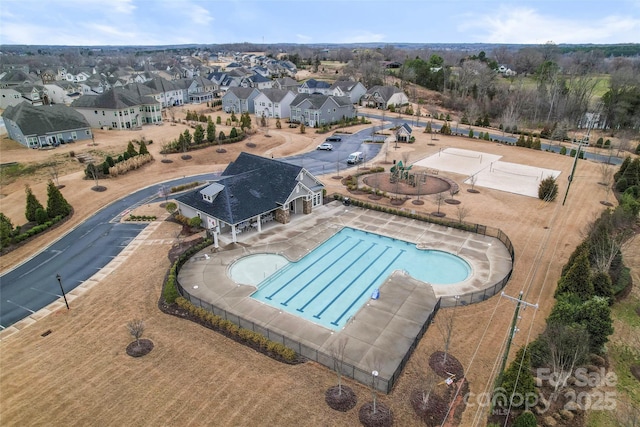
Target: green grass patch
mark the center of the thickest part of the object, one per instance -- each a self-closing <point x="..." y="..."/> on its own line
<point x="10" y="173"/>
<point x="624" y="356"/>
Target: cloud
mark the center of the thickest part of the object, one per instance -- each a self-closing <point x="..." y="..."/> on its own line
<point x="200" y="15"/>
<point x="528" y="26"/>
<point x="122" y="6"/>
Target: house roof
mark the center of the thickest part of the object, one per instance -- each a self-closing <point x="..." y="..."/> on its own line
<point x="316" y="84"/>
<point x="249" y="186"/>
<point x="242" y="92"/>
<point x="345" y="85"/>
<point x="386" y="92"/>
<point x="44" y="119"/>
<point x="162" y="85"/>
<point x="287" y="81"/>
<point x="317" y="100"/>
<point x="405" y="127"/>
<point x="113" y="99"/>
<point x="275" y="95"/>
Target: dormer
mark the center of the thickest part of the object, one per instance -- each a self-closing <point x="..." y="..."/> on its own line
<point x="210" y="192"/>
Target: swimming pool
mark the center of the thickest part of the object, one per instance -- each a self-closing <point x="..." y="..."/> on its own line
<point x="330" y="284"/>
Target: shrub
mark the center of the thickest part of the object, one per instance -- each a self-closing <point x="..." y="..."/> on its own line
<point x="41" y="215"/>
<point x="548" y="189"/>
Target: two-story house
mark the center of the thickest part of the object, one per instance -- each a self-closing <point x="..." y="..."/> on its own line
<point x="119" y="108"/>
<point x="273" y="103"/>
<point x="166" y="92"/>
<point x="349" y="88"/>
<point x="384" y="96"/>
<point x="317" y="110"/>
<point x="315" y="86"/>
<point x="239" y="99"/>
<point x="62" y="92"/>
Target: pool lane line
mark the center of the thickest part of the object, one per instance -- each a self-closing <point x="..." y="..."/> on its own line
<point x="301" y="309"/>
<point x="362" y="271"/>
<point x="309" y="266"/>
<point x="335" y="322"/>
<point x="323" y="271"/>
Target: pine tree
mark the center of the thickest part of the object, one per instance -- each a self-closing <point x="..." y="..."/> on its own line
<point x="6" y="230"/>
<point x="187" y="137"/>
<point x="143" y="148"/>
<point x="595" y="315"/>
<point x="131" y="150"/>
<point x="221" y="136"/>
<point x="233" y="133"/>
<point x="198" y="134"/>
<point x="518" y="381"/>
<point x="56" y="203"/>
<point x="32" y="204"/>
<point x="211" y="131"/>
<point x="578" y="279"/>
<point x="548" y="189"/>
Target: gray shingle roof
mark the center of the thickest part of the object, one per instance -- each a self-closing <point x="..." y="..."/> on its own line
<point x="162" y="85"/>
<point x="44" y="119"/>
<point x="275" y="95"/>
<point x="386" y="92"/>
<point x="251" y="185"/>
<point x="114" y="99"/>
<point x="242" y="92"/>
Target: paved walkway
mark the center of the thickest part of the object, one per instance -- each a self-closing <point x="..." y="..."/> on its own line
<point x="381" y="333"/>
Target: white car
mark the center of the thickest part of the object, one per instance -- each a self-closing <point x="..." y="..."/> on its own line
<point x="325" y="146"/>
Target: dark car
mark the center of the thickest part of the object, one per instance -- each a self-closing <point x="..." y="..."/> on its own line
<point x="333" y="139"/>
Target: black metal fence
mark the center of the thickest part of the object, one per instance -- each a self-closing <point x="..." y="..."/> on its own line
<point x="365" y="377"/>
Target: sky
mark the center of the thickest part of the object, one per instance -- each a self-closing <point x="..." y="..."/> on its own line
<point x="169" y="22"/>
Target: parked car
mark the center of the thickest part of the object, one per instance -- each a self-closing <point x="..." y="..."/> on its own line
<point x="333" y="139"/>
<point x="325" y="146"/>
<point x="354" y="158"/>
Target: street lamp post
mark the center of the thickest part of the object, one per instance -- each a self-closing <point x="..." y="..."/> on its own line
<point x="62" y="290"/>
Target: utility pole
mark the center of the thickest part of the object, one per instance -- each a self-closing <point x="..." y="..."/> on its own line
<point x="512" y="332"/>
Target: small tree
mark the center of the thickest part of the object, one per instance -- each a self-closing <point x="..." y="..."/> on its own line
<point x="6" y="230"/>
<point x="595" y="315"/>
<point x="211" y="131"/>
<point x="302" y="128"/>
<point x="218" y="120"/>
<point x="577" y="280"/>
<point x="233" y="133"/>
<point x="131" y="150"/>
<point x="56" y="203"/>
<point x="233" y="117"/>
<point x="53" y="172"/>
<point x="470" y="133"/>
<point x="278" y="124"/>
<point x="171" y="207"/>
<point x="462" y="213"/>
<point x="195" y="222"/>
<point x="136" y="328"/>
<point x="568" y="348"/>
<point x="548" y="189"/>
<point x="41" y="216"/>
<point x="198" y="134"/>
<point x="187" y="137"/>
<point x="518" y="380"/>
<point x="32" y="204"/>
<point x="221" y="137"/>
<point x="143" y="148"/>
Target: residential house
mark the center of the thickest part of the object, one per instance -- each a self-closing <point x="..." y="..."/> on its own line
<point x="285" y="83"/>
<point x="62" y="92"/>
<point x="34" y="94"/>
<point x="45" y="125"/>
<point x="18" y="77"/>
<point x="315" y="86"/>
<point x="273" y="103"/>
<point x="201" y="89"/>
<point x="168" y="93"/>
<point x="317" y="110"/>
<point x="403" y="133"/>
<point x="119" y="108"/>
<point x="258" y="81"/>
<point x="354" y="90"/>
<point x="239" y="99"/>
<point x="224" y="81"/>
<point x="384" y="96"/>
<point x="252" y="191"/>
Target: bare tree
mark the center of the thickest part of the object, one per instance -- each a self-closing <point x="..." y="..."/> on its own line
<point x="337" y="354"/>
<point x="472" y="180"/>
<point x="136" y="328"/>
<point x="462" y="213"/>
<point x="444" y="322"/>
<point x="53" y="172"/>
<point x="568" y="348"/>
<point x="439" y="198"/>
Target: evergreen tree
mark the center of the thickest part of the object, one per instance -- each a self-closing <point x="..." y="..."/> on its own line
<point x="279" y="125"/>
<point x="131" y="150"/>
<point x="548" y="189"/>
<point x="6" y="231"/>
<point x="470" y="133"/>
<point x="187" y="137"/>
<point x="602" y="285"/>
<point x="198" y="134"/>
<point x="41" y="216"/>
<point x="595" y="315"/>
<point x="521" y="141"/>
<point x="143" y="148"/>
<point x="182" y="143"/>
<point x="578" y="279"/>
<point x="105" y="168"/>
<point x="537" y="145"/>
<point x="233" y="117"/>
<point x="202" y="118"/>
<point x="427" y="128"/>
<point x="218" y="120"/>
<point x="518" y="380"/>
<point x="485" y="121"/>
<point x="32" y="204"/>
<point x="233" y="133"/>
<point x="110" y="160"/>
<point x="211" y="131"/>
<point x="56" y="203"/>
<point x="221" y="136"/>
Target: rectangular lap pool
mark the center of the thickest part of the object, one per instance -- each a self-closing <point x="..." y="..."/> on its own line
<point x="332" y="282"/>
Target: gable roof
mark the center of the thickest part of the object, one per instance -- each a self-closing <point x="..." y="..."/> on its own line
<point x="249" y="186"/>
<point x="316" y="84"/>
<point x="162" y="85"/>
<point x="386" y="92"/>
<point x="275" y="95"/>
<point x="43" y="119"/>
<point x="243" y="92"/>
<point x="113" y="99"/>
<point x="317" y="100"/>
<point x="345" y="85"/>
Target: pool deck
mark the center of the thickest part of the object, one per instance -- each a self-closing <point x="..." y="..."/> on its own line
<point x="380" y="334"/>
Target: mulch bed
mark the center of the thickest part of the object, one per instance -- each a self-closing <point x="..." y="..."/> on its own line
<point x="452" y="201"/>
<point x="340" y="400"/>
<point x="166" y="161"/>
<point x="442" y="368"/>
<point x="398" y="202"/>
<point x="250" y="145"/>
<point x="418" y="202"/>
<point x="186" y="157"/>
<point x="438" y="214"/>
<point x="25" y="227"/>
<point x="472" y="191"/>
<point x="375" y="197"/>
<point x="382" y="181"/>
<point x="383" y="417"/>
<point x="99" y="188"/>
<point x="220" y="150"/>
<point x="433" y="412"/>
<point x="135" y="349"/>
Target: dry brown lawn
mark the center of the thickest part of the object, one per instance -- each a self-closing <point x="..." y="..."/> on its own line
<point x="80" y="374"/>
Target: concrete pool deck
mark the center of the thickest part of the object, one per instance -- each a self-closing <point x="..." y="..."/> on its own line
<point x="381" y="333"/>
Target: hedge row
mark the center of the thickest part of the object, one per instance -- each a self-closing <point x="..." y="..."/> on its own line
<point x="170" y="291"/>
<point x="246" y="336"/>
<point x="407" y="214"/>
<point x="183" y="187"/>
<point x="36" y="230"/>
